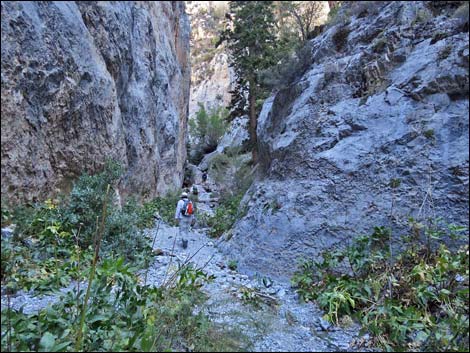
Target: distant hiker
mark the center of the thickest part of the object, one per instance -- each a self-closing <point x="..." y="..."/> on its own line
<point x="184" y="216"/>
<point x="204" y="177"/>
<point x="195" y="190"/>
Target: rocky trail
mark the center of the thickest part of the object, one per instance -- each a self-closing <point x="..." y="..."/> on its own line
<point x="279" y="322"/>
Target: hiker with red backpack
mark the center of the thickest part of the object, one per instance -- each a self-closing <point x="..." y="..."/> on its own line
<point x="184" y="216"/>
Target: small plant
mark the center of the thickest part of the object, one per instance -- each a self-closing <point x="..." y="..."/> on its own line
<point x="427" y="309"/>
<point x="395" y="183"/>
<point x="6" y="216"/>
<point x="232" y="264"/>
<point x="429" y="134"/>
<point x="444" y="53"/>
<point x="251" y="297"/>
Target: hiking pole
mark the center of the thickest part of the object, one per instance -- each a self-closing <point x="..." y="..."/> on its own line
<point x="157" y="217"/>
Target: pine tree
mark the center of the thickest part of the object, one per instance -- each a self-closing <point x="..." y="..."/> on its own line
<point x="251" y="41"/>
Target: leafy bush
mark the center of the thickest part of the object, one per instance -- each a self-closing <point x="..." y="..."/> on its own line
<point x="164" y="205"/>
<point x="420" y="301"/>
<point x="208" y="128"/>
<point x="6" y="216"/>
<point x="122" y="316"/>
<point x="232" y="170"/>
<point x="232" y="264"/>
<point x="225" y="215"/>
<point x="53" y="237"/>
<point x="86" y="200"/>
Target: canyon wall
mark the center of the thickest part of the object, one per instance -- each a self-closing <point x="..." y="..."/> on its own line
<point x="86" y="81"/>
<point x="375" y="132"/>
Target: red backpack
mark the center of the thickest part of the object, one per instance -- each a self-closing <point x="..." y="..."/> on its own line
<point x="187" y="209"/>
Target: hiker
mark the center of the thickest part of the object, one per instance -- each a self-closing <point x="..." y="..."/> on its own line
<point x="204" y="177"/>
<point x="184" y="216"/>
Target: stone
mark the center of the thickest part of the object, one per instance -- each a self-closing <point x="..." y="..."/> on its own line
<point x="158" y="252"/>
<point x="330" y="144"/>
<point x="86" y="81"/>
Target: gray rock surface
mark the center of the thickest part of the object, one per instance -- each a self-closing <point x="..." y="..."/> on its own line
<point x="389" y="106"/>
<point x="234" y="138"/>
<point x="86" y="81"/>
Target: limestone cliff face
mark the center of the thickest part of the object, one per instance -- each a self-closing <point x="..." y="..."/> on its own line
<point x="87" y="81"/>
<point x="374" y="132"/>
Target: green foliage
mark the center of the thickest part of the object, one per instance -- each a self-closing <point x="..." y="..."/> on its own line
<point x="252" y="45"/>
<point x="53" y="237"/>
<point x="47" y="251"/>
<point x="250" y="296"/>
<point x="225" y="215"/>
<point x="232" y="171"/>
<point x="420" y="302"/>
<point x="122" y="316"/>
<point x="232" y="264"/>
<point x="429" y="134"/>
<point x="6" y="216"/>
<point x="208" y="127"/>
<point x="164" y="205"/>
<point x="86" y="200"/>
<point x="43" y="252"/>
<point x="395" y="183"/>
<point x="251" y="42"/>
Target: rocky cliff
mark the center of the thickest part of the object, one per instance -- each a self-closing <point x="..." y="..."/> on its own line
<point x="84" y="81"/>
<point x="374" y="132"/>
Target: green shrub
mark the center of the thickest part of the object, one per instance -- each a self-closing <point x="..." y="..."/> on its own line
<point x="232" y="171"/>
<point x="232" y="264"/>
<point x="164" y="205"/>
<point x="225" y="215"/>
<point x="417" y="302"/>
<point x="6" y="216"/>
<point x="208" y="127"/>
<point x="122" y="316"/>
<point x="429" y="134"/>
<point x="50" y="238"/>
<point x="47" y="251"/>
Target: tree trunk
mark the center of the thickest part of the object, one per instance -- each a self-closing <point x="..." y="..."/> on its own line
<point x="253" y="122"/>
